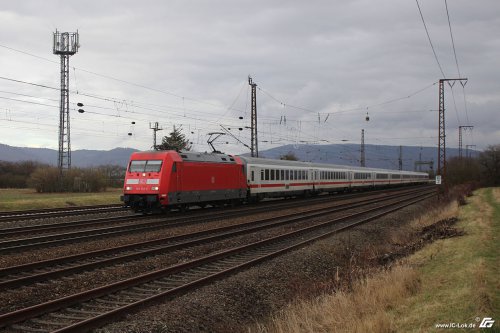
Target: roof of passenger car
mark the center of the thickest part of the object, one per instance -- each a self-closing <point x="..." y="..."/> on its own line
<point x="285" y="163"/>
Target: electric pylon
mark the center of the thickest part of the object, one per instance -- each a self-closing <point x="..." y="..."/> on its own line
<point x="254" y="145"/>
<point x="441" y="169"/>
<point x="460" y="128"/>
<point x="65" y="44"/>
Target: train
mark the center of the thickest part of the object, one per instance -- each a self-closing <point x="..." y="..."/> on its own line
<point x="163" y="180"/>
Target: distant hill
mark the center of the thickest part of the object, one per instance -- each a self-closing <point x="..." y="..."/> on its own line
<point x="376" y="156"/>
<point x="79" y="158"/>
<point x="345" y="154"/>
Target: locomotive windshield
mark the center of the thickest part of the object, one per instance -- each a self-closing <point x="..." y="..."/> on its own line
<point x="145" y="166"/>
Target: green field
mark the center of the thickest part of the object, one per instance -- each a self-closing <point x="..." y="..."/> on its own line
<point x="22" y="199"/>
<point x="459" y="276"/>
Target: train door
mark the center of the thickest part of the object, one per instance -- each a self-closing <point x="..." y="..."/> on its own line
<point x="177" y="175"/>
<point x="314" y="178"/>
<point x="253" y="176"/>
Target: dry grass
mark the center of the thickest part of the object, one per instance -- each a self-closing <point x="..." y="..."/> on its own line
<point x="451" y="280"/>
<point x="442" y="213"/>
<point x="403" y="236"/>
<point x="362" y="310"/>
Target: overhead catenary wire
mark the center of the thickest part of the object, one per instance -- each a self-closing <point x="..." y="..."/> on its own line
<point x="196" y="100"/>
<point x="115" y="100"/>
<point x="452" y="39"/>
<point x="456" y="60"/>
<point x="429" y="38"/>
<point x="283" y="103"/>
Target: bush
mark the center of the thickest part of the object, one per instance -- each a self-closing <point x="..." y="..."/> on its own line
<point x="48" y="179"/>
<point x="15" y="175"/>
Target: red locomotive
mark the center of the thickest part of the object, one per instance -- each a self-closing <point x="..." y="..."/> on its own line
<point x="161" y="179"/>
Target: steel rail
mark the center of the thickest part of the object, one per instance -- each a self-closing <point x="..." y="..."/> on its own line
<point x="262" y="206"/>
<point x="19" y="275"/>
<point x="32" y="214"/>
<point x="100" y="305"/>
<point x="63" y="238"/>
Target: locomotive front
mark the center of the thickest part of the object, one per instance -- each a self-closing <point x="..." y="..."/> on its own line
<point x="146" y="181"/>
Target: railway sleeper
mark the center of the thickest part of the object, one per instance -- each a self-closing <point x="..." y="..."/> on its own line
<point x="106" y="301"/>
<point x="23" y="328"/>
<point x="208" y="270"/>
<point x="69" y="317"/>
<point x="146" y="290"/>
<point x="164" y="284"/>
<point x="92" y="313"/>
<point x="125" y="298"/>
<point x="21" y="275"/>
<point x="155" y="286"/>
<point x="69" y="277"/>
<point x="47" y="322"/>
<point x="225" y="263"/>
<point x="131" y="293"/>
<point x="190" y="274"/>
<point x="169" y="280"/>
<point x="196" y="272"/>
<point x="100" y="306"/>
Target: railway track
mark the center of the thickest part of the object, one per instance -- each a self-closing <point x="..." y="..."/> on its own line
<point x="20" y="215"/>
<point x="137" y="224"/>
<point x="57" y="212"/>
<point x="92" y="308"/>
<point x="16" y="276"/>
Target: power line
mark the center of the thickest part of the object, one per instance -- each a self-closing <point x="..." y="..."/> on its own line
<point x="452" y="40"/>
<point x="118" y="80"/>
<point x="116" y="100"/>
<point x="456" y="60"/>
<point x="284" y="104"/>
<point x="430" y="41"/>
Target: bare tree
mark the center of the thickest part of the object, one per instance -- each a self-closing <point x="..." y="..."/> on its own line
<point x="289" y="157"/>
<point x="490" y="163"/>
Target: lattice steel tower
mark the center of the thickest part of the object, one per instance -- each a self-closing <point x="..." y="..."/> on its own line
<point x="441" y="169"/>
<point x="254" y="145"/>
<point x="65" y="44"/>
<point x="460" y="150"/>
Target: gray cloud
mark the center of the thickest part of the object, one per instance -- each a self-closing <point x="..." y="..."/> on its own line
<point x="327" y="57"/>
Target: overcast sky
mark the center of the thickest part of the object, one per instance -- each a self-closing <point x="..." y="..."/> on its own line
<point x="321" y="65"/>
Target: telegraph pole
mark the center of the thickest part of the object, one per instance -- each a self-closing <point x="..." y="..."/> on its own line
<point x="441" y="169"/>
<point x="254" y="148"/>
<point x="460" y="128"/>
<point x="400" y="157"/>
<point x="65" y="44"/>
<point x="362" y="159"/>
<point x="155" y="129"/>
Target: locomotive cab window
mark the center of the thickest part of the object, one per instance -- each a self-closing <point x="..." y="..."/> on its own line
<point x="153" y="166"/>
<point x="145" y="166"/>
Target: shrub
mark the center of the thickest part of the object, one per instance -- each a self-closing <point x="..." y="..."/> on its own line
<point x="48" y="179"/>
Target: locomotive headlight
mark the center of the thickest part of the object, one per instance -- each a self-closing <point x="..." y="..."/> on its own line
<point x="155" y="188"/>
<point x="128" y="188"/>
